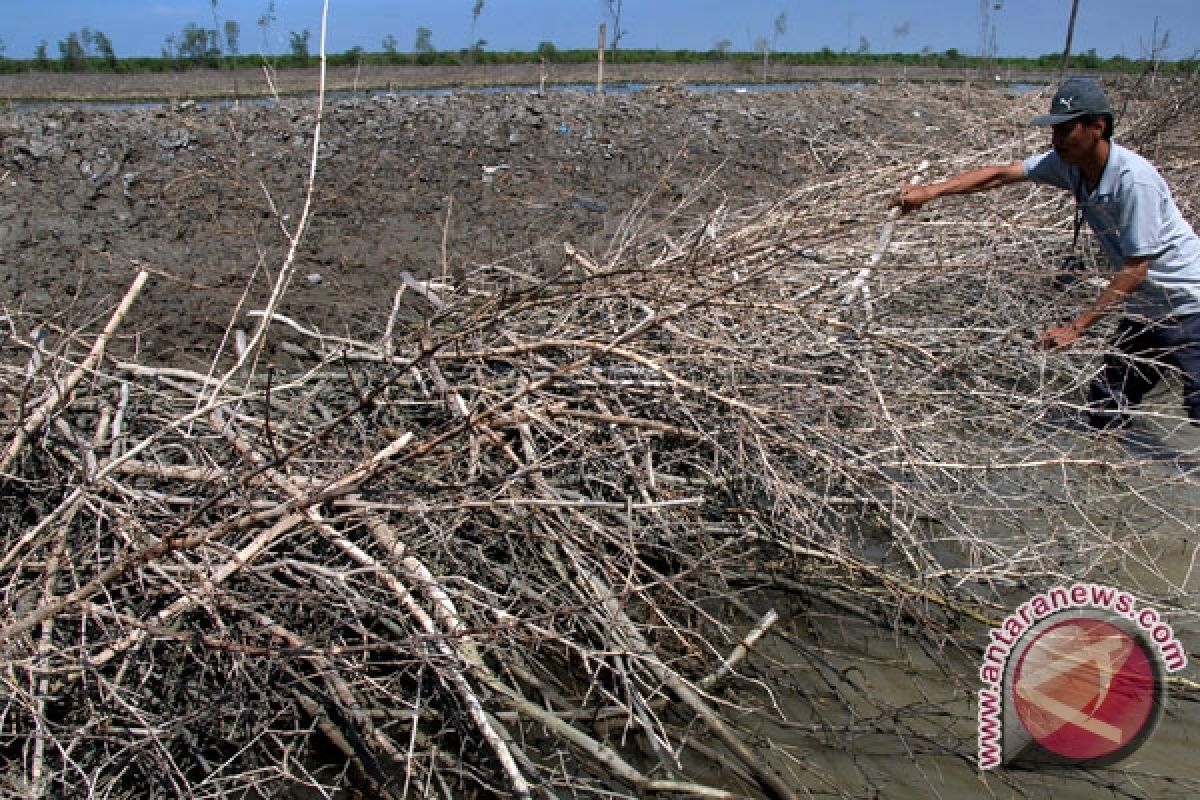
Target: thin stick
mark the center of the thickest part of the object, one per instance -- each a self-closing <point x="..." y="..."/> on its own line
<point x="446" y="236"/>
<point x="283" y="281"/>
<point x="859" y="284"/>
<point x="387" y="342"/>
<point x="741" y="651"/>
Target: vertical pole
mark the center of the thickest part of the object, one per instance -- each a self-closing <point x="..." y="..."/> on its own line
<point x="600" y="63"/>
<point x="1070" y="35"/>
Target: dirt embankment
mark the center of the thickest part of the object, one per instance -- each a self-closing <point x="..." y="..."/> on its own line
<point x="205" y="196"/>
<point x="208" y="83"/>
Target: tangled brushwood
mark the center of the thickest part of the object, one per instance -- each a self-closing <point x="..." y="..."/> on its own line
<point x="588" y="534"/>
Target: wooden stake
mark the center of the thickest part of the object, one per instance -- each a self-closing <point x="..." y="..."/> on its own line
<point x="600" y="62"/>
<point x="1066" y="59"/>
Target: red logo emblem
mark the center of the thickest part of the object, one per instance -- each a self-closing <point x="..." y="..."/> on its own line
<point x="1085" y="689"/>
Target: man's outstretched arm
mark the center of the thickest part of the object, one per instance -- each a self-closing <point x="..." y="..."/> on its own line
<point x="912" y="197"/>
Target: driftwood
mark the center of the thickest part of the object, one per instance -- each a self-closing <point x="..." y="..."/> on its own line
<point x="555" y="539"/>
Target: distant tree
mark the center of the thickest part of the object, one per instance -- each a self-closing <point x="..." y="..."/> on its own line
<point x="233" y="32"/>
<point x="723" y="47"/>
<point x="864" y="46"/>
<point x="1" y="48"/>
<point x="1158" y="46"/>
<point x="987" y="41"/>
<point x="264" y="24"/>
<point x="424" y="42"/>
<point x="1088" y="60"/>
<point x="477" y="45"/>
<point x="216" y="22"/>
<point x="762" y="46"/>
<point x="198" y="45"/>
<point x="476" y="10"/>
<point x="40" y="57"/>
<point x="547" y="51"/>
<point x="74" y="56"/>
<point x="614" y="8"/>
<point x="390" y="45"/>
<point x="299" y="45"/>
<point x="102" y="46"/>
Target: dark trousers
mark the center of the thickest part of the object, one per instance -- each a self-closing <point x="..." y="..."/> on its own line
<point x="1140" y="350"/>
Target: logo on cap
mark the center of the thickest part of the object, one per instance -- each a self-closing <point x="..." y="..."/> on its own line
<point x="1066" y="102"/>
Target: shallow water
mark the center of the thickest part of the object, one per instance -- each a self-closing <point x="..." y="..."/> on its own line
<point x="868" y="713"/>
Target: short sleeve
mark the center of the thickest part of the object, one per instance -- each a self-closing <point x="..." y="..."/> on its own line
<point x="1048" y="169"/>
<point x="1141" y="220"/>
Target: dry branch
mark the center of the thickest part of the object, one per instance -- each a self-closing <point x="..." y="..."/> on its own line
<point x="60" y="394"/>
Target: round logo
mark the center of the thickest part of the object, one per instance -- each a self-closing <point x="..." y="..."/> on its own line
<point x="1085" y="689"/>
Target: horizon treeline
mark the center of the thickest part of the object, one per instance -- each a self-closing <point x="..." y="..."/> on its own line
<point x="196" y="47"/>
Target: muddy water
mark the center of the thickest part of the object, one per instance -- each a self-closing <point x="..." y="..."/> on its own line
<point x="896" y="716"/>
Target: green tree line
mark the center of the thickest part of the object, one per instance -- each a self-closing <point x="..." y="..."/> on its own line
<point x="219" y="47"/>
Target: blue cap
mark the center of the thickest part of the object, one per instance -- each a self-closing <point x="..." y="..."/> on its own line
<point x="1077" y="97"/>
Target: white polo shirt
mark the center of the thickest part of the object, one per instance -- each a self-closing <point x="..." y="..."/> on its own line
<point x="1133" y="214"/>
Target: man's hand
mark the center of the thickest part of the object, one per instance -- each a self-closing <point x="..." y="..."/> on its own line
<point x="1060" y="337"/>
<point x="911" y="197"/>
<point x="1124" y="283"/>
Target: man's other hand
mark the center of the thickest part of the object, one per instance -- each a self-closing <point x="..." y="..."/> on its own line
<point x="1060" y="337"/>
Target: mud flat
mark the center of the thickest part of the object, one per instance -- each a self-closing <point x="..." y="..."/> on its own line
<point x="196" y="193"/>
<point x="579" y="446"/>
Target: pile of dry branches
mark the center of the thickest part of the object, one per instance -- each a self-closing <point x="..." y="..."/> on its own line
<point x="524" y="545"/>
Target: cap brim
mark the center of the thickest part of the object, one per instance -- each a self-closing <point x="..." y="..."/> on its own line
<point x="1054" y="119"/>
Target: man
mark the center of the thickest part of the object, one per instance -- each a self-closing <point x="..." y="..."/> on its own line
<point x="1157" y="254"/>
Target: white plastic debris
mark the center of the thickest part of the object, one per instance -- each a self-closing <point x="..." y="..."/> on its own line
<point x="489" y="172"/>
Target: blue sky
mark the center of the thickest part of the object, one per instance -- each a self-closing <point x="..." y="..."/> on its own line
<point x="1021" y="27"/>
